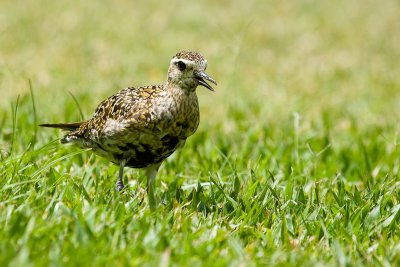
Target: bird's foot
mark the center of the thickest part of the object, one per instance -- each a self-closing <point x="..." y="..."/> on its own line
<point x="119" y="186"/>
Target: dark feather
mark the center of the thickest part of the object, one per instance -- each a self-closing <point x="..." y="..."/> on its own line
<point x="64" y="126"/>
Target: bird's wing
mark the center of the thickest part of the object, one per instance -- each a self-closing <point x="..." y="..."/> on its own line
<point x="64" y="126"/>
<point x="128" y="110"/>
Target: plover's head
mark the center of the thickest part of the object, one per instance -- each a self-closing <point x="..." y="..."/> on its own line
<point x="187" y="70"/>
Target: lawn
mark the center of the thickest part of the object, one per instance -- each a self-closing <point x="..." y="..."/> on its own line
<point x="296" y="161"/>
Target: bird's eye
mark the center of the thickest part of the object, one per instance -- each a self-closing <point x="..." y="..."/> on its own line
<point x="181" y="65"/>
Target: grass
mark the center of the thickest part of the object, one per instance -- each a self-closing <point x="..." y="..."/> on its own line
<point x="295" y="163"/>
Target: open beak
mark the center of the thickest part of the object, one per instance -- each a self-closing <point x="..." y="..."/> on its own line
<point x="201" y="78"/>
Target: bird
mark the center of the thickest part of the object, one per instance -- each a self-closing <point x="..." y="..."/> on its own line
<point x="139" y="127"/>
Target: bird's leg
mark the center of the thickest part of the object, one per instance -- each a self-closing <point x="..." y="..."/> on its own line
<point x="151" y="173"/>
<point x="120" y="184"/>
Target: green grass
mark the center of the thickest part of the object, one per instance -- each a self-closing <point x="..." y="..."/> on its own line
<point x="296" y="161"/>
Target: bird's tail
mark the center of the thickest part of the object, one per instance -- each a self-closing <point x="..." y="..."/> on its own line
<point x="64" y="126"/>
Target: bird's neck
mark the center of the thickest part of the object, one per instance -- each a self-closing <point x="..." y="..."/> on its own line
<point x="180" y="88"/>
<point x="182" y="97"/>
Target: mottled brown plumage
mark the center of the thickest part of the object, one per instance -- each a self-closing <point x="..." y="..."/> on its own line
<point x="140" y="127"/>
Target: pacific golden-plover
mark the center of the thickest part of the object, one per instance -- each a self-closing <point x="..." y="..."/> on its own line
<point x="141" y="127"/>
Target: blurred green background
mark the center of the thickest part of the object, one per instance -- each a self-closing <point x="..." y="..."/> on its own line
<point x="271" y="58"/>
